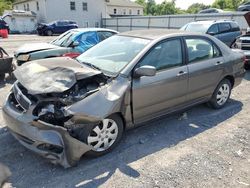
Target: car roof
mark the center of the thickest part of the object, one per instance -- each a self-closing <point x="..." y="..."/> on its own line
<point x="211" y="21"/>
<point x="92" y="29"/>
<point x="153" y="34"/>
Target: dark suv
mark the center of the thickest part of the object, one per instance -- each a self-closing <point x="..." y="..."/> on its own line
<point x="244" y="7"/>
<point x="57" y="27"/>
<point x="225" y="30"/>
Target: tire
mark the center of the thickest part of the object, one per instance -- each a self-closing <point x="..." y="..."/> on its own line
<point x="2" y="77"/>
<point x="247" y="67"/>
<point x="49" y="33"/>
<point x="94" y="140"/>
<point x="224" y="91"/>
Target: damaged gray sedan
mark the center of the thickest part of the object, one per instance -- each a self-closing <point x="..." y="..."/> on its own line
<point x="63" y="108"/>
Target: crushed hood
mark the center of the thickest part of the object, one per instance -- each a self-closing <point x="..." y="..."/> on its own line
<point x="54" y="75"/>
<point x="33" y="47"/>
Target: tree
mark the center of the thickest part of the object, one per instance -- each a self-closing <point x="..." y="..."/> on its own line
<point x="228" y="4"/>
<point x="166" y="7"/>
<point x="144" y="4"/>
<point x="5" y="5"/>
<point x="196" y="7"/>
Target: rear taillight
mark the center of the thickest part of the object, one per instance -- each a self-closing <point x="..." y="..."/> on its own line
<point x="72" y="55"/>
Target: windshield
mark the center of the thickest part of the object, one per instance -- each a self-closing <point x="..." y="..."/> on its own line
<point x="197" y="27"/>
<point x="113" y="54"/>
<point x="64" y="40"/>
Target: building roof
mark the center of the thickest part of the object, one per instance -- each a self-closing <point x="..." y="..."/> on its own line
<point x="123" y="3"/>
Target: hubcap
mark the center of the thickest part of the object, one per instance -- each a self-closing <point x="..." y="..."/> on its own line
<point x="103" y="135"/>
<point x="223" y="94"/>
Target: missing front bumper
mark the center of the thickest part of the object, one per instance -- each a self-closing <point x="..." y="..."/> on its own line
<point x="50" y="141"/>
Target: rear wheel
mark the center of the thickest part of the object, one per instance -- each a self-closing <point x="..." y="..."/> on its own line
<point x="247" y="67"/>
<point x="221" y="94"/>
<point x="105" y="136"/>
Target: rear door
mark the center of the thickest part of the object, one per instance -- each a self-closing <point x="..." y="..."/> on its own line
<point x="153" y="96"/>
<point x="205" y="66"/>
<point x="225" y="33"/>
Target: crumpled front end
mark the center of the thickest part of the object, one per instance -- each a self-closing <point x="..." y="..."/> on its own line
<point x="56" y="125"/>
<point x="50" y="141"/>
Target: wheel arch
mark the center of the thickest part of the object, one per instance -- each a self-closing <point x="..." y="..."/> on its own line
<point x="122" y="118"/>
<point x="231" y="79"/>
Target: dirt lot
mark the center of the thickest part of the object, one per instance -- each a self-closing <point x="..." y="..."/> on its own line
<point x="203" y="148"/>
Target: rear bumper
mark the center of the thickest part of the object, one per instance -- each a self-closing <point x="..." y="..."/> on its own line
<point x="49" y="141"/>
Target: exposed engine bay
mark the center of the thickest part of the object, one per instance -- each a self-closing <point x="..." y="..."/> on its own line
<point x="50" y="107"/>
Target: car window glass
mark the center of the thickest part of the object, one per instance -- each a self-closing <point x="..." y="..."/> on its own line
<point x="164" y="55"/>
<point x="213" y="29"/>
<point x="104" y="35"/>
<point x="235" y="26"/>
<point x="217" y="52"/>
<point x="200" y="50"/>
<point x="224" y="27"/>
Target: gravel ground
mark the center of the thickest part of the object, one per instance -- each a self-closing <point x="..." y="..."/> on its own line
<point x="200" y="148"/>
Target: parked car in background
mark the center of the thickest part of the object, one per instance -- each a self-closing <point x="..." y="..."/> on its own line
<point x="244" y="7"/>
<point x="72" y="44"/>
<point x="210" y="10"/>
<point x="63" y="108"/>
<point x="225" y="30"/>
<point x="4" y="25"/>
<point x="57" y="27"/>
<point x="243" y="43"/>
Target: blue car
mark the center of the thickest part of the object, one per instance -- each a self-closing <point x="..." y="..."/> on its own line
<point x="71" y="44"/>
<point x="57" y="27"/>
<point x="225" y="30"/>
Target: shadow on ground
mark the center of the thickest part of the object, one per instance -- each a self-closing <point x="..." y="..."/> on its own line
<point x="247" y="76"/>
<point x="138" y="143"/>
<point x="7" y="80"/>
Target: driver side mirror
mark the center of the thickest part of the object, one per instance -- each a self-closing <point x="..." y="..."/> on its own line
<point x="145" y="70"/>
<point x="211" y="33"/>
<point x="75" y="44"/>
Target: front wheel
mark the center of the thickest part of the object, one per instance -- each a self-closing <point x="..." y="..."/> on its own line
<point x="49" y="33"/>
<point x="105" y="136"/>
<point x="221" y="94"/>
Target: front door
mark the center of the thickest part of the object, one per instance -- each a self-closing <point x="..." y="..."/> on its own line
<point x="152" y="96"/>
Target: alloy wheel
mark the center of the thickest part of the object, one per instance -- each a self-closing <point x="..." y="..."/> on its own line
<point x="223" y="94"/>
<point x="103" y="136"/>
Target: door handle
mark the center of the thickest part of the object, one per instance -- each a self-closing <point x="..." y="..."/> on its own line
<point x="181" y="73"/>
<point x="219" y="62"/>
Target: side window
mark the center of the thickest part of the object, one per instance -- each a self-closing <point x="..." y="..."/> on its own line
<point x="200" y="50"/>
<point x="224" y="27"/>
<point x="104" y="35"/>
<point x="164" y="55"/>
<point x="235" y="27"/>
<point x="59" y="23"/>
<point x="89" y="38"/>
<point x="213" y="29"/>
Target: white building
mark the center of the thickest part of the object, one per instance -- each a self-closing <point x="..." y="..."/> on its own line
<point x="87" y="13"/>
<point x="21" y="21"/>
<point x="123" y="8"/>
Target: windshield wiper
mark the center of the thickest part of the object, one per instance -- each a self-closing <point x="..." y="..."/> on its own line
<point x="92" y="66"/>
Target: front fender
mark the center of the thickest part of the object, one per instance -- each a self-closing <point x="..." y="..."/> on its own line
<point x="111" y="98"/>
